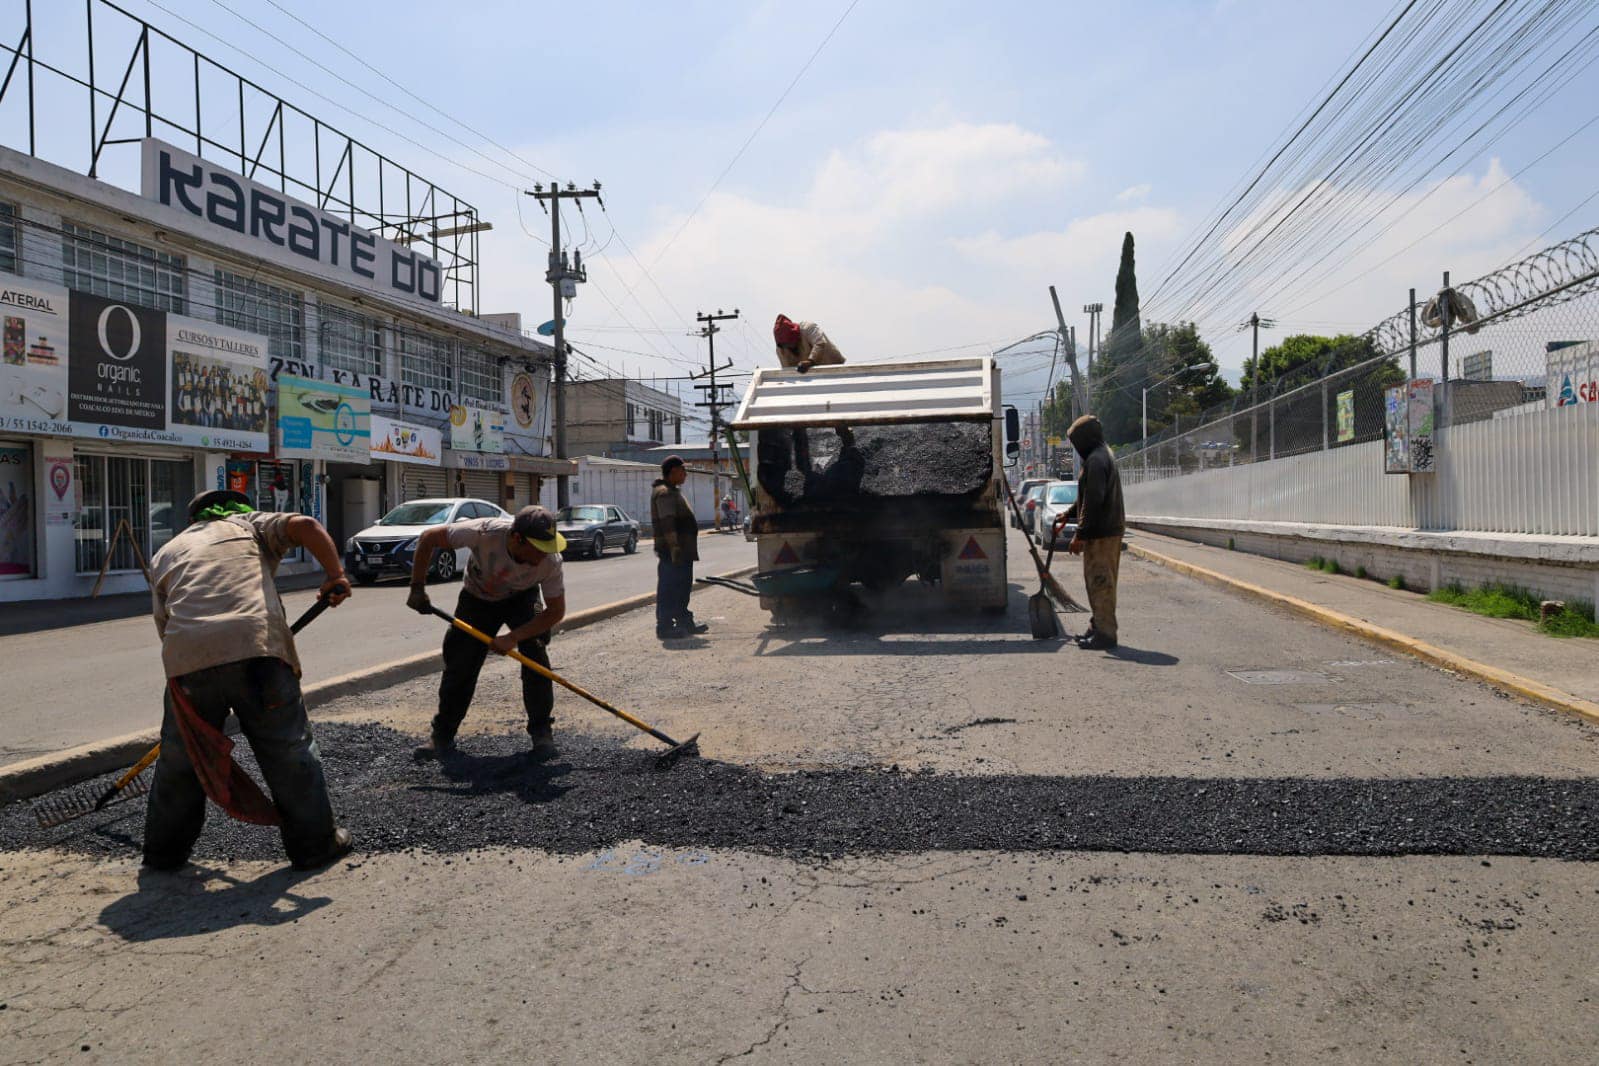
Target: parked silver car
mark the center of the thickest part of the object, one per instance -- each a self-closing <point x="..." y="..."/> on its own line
<point x="1058" y="497"/>
<point x="1026" y="486"/>
<point x="590" y="528"/>
<point x="1030" y="505"/>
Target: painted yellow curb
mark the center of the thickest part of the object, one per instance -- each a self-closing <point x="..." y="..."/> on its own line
<point x="1504" y="680"/>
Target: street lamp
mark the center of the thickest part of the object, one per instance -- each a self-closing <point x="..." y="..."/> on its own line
<point x="1156" y="385"/>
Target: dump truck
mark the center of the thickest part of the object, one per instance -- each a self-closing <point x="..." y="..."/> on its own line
<point x="867" y="475"/>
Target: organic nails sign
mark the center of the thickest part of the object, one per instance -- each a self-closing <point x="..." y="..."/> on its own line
<point x="286" y="228"/>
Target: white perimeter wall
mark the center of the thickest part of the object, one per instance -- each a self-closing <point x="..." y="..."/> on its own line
<point x="1533" y="473"/>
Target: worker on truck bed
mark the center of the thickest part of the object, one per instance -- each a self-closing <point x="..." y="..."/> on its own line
<point x="802" y="345"/>
<point x="226" y="646"/>
<point x="1101" y="520"/>
<point x="513" y="580"/>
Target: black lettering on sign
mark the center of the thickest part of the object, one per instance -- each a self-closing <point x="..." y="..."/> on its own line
<point x="305" y="238"/>
<point x="428" y="280"/>
<point x="174" y="185"/>
<point x="224" y="204"/>
<point x="403" y="271"/>
<point x="336" y="229"/>
<point x="267" y="212"/>
<point x="361" y="245"/>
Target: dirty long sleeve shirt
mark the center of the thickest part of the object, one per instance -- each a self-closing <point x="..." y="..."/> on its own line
<point x="675" y="527"/>
<point x="814" y="346"/>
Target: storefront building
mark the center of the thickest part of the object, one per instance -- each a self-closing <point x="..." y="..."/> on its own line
<point x="159" y="343"/>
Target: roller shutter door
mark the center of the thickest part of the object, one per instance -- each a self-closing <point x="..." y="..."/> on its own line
<point x="483" y="485"/>
<point x="424" y="482"/>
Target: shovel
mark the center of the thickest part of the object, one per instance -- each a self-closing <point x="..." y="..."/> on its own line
<point x="675" y="749"/>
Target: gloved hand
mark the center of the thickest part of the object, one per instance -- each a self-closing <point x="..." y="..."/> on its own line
<point x="418" y="600"/>
<point x="804" y="366"/>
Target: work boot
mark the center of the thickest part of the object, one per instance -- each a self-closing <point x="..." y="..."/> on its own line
<point x="1097" y="642"/>
<point x="691" y="627"/>
<point x="164" y="863"/>
<point x="543" y="741"/>
<point x="337" y="849"/>
<point x="437" y="747"/>
<point x="670" y="632"/>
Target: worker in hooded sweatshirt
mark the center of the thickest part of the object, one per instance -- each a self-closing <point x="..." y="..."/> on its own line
<point x="1101" y="520"/>
<point x="226" y="644"/>
<point x="802" y="345"/>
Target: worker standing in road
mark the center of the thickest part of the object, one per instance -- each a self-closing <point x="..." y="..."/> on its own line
<point x="515" y="564"/>
<point x="802" y="345"/>
<point x="676" y="549"/>
<point x="226" y="645"/>
<point x="1101" y="522"/>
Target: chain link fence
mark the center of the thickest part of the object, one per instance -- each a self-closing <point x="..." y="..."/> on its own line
<point x="1518" y="340"/>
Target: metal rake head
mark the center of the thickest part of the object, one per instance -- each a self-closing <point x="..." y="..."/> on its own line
<point x="68" y="804"/>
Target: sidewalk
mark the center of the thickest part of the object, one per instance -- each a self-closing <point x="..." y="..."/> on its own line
<point x="1513" y="647"/>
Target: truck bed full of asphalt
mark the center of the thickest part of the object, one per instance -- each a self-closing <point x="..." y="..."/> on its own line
<point x="598" y="793"/>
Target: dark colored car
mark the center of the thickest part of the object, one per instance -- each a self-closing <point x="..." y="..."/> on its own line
<point x="590" y="528"/>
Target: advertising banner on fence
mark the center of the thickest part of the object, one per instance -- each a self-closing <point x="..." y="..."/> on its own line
<point x="476" y="429"/>
<point x="406" y="443"/>
<point x="1408" y="428"/>
<point x="1346" y="416"/>
<point x="1573" y="373"/>
<point x="76" y="365"/>
<point x="323" y="420"/>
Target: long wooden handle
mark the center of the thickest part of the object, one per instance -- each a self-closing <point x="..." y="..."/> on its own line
<point x="544" y="671"/>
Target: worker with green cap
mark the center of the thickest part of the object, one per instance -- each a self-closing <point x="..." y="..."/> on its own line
<point x="226" y="645"/>
<point x="513" y="580"/>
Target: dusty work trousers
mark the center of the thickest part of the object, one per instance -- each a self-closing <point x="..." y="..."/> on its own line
<point x="673" y="584"/>
<point x="1102" y="559"/>
<point x="265" y="694"/>
<point x="464" y="655"/>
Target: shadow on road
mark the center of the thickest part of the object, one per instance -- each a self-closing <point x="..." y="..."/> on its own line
<point x="1142" y="656"/>
<point x="169" y="906"/>
<point x="515" y="772"/>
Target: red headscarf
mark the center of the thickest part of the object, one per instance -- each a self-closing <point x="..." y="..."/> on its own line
<point x="786" y="333"/>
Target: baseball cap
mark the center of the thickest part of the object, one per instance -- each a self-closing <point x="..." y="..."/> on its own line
<point x="536" y="526"/>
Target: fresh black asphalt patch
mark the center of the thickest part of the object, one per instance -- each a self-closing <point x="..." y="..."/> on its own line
<point x="597" y="794"/>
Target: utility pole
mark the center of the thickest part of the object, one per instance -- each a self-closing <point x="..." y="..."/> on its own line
<point x="564" y="278"/>
<point x="714" y="401"/>
<point x="1079" y="387"/>
<point x="1093" y="311"/>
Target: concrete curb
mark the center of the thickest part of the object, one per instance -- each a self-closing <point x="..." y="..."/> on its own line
<point x="45" y="773"/>
<point x="1504" y="680"/>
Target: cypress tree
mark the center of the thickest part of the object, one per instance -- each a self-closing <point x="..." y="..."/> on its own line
<point x="1118" y="376"/>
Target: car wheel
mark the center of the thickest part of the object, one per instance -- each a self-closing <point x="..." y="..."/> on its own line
<point x="632" y="543"/>
<point x="597" y="549"/>
<point x="444" y="565"/>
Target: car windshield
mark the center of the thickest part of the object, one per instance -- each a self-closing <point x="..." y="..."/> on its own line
<point x="1063" y="493"/>
<point x="421" y="513"/>
<point x="581" y="514"/>
<point x="1035" y="492"/>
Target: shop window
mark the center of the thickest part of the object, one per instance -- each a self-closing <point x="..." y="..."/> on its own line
<point x="349" y="341"/>
<point x="103" y="265"/>
<point x="256" y="307"/>
<point x="478" y="377"/>
<point x="150" y="495"/>
<point x="632" y="418"/>
<point x="17" y="513"/>
<point x="10" y="243"/>
<point x="425" y="362"/>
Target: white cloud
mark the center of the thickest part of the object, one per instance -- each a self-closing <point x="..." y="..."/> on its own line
<point x="1134" y="193"/>
<point x="907" y="241"/>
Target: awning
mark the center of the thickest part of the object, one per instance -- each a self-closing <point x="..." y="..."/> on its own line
<point x="543" y="465"/>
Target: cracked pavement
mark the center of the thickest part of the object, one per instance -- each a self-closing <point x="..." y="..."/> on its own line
<point x="720" y="943"/>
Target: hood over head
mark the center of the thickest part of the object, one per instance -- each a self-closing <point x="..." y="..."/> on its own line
<point x="1086" y="434"/>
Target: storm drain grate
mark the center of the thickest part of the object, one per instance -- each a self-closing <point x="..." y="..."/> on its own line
<point x="1280" y="677"/>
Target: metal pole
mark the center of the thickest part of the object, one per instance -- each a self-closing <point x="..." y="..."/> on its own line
<point x="716" y="481"/>
<point x="1144" y="451"/>
<point x="563" y="488"/>
<point x="1254" y="389"/>
<point x="1412" y="334"/>
<point x="1443" y="354"/>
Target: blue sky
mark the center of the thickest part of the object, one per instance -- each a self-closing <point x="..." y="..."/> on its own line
<point x="934" y="171"/>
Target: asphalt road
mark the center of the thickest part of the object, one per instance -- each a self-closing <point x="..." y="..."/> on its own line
<point x="75" y="685"/>
<point x="1240" y="837"/>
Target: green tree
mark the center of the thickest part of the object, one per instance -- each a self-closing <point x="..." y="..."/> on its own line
<point x="1120" y="369"/>
<point x="1188" y="395"/>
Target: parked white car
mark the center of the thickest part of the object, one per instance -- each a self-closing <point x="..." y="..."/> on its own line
<point x="1057" y="498"/>
<point x="387" y="548"/>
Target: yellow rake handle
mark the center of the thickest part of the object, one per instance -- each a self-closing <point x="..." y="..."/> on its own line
<point x="472" y="631"/>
